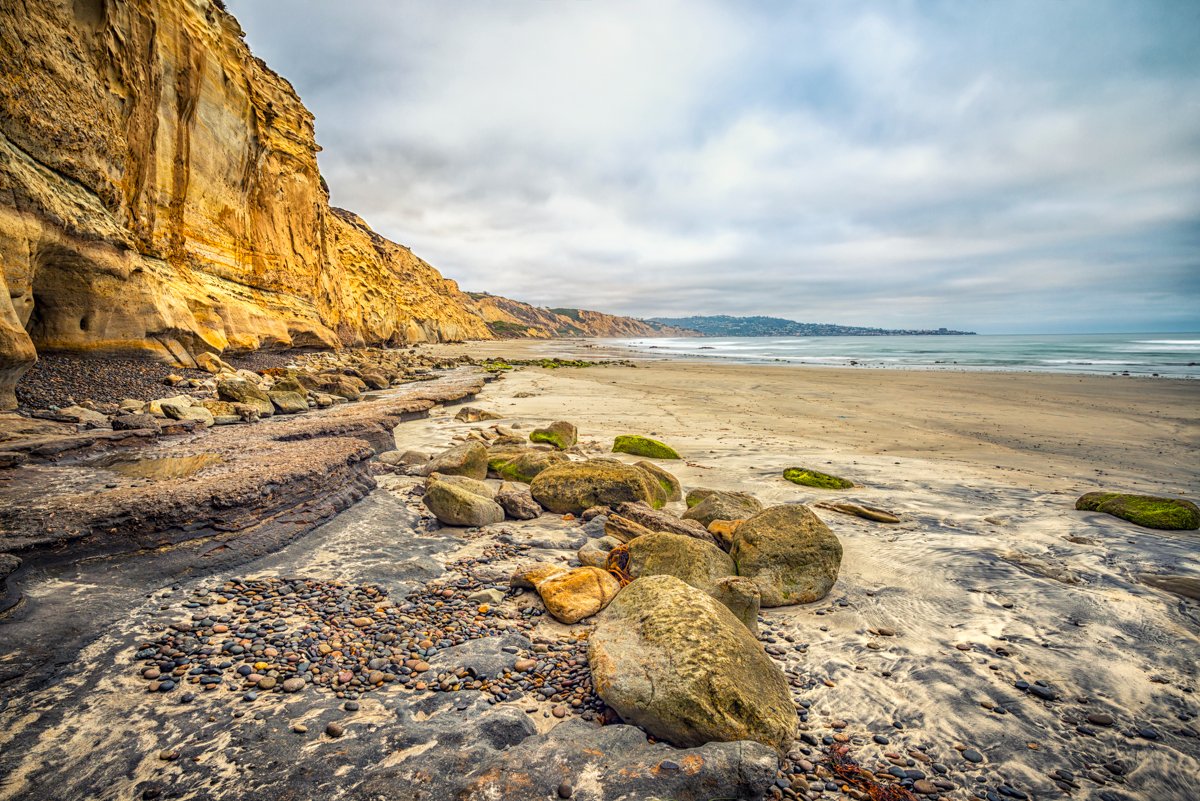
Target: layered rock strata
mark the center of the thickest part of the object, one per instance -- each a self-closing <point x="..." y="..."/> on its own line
<point x="159" y="194"/>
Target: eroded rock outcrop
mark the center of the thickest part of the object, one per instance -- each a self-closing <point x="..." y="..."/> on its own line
<point x="159" y="193"/>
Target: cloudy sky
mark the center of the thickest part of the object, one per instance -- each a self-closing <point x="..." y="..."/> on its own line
<point x="1000" y="166"/>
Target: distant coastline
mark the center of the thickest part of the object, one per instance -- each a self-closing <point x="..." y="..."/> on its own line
<point x="723" y="325"/>
<point x="1150" y="355"/>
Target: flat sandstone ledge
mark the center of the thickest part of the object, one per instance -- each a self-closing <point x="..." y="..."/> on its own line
<point x="269" y="481"/>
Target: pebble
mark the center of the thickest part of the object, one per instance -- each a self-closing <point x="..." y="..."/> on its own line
<point x="565" y="790"/>
<point x="1100" y="719"/>
<point x="971" y="755"/>
<point x="334" y="729"/>
<point x="351" y="706"/>
<point x="299" y="728"/>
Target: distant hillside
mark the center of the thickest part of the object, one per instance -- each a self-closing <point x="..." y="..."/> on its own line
<point x="512" y="319"/>
<point x="725" y="326"/>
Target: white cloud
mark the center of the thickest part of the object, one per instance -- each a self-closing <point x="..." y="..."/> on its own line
<point x="877" y="165"/>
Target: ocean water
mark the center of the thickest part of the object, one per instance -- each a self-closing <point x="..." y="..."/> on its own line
<point x="1163" y="355"/>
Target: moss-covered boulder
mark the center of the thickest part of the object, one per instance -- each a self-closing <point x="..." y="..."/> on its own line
<point x="670" y="484"/>
<point x="806" y="477"/>
<point x="469" y="459"/>
<point x="575" y="486"/>
<point x="688" y="559"/>
<point x="457" y="506"/>
<point x="789" y="553"/>
<point x="572" y="594"/>
<point x="1171" y="514"/>
<point x="561" y="435"/>
<point x="520" y="463"/>
<point x="724" y="506"/>
<point x="669" y="658"/>
<point x="643" y="446"/>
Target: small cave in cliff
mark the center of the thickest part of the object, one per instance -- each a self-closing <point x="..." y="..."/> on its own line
<point x="64" y="303"/>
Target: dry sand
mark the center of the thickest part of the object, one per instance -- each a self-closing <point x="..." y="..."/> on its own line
<point x="991" y="578"/>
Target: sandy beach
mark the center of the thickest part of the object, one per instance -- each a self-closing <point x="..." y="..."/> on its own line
<point x="995" y="640"/>
<point x="991" y="578"/>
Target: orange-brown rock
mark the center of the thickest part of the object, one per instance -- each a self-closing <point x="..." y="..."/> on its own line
<point x="159" y="193"/>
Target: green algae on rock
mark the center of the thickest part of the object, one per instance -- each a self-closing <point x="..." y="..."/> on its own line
<point x="815" y="478"/>
<point x="1171" y="514"/>
<point x="560" y="434"/>
<point x="643" y="446"/>
<point x="572" y="487"/>
<point x="521" y="464"/>
<point x="668" y="482"/>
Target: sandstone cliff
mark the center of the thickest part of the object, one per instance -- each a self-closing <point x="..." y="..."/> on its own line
<point x="510" y="319"/>
<point x="159" y="192"/>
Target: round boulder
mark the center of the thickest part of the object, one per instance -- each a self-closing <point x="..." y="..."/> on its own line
<point x="688" y="559"/>
<point x="672" y="660"/>
<point x="572" y="487"/>
<point x="789" y="553"/>
<point x="456" y="506"/>
<point x="719" y="505"/>
<point x="469" y="459"/>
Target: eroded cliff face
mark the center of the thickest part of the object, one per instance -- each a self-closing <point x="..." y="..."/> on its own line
<point x="159" y="192"/>
<point x="508" y="318"/>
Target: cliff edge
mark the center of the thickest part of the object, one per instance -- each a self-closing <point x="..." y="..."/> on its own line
<point x="159" y="193"/>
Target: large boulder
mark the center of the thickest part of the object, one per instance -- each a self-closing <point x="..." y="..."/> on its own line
<point x="741" y="596"/>
<point x="690" y="560"/>
<point x="457" y="506"/>
<point x="719" y="505"/>
<point x="181" y="411"/>
<point x="246" y="392"/>
<point x="375" y="379"/>
<point x="517" y="502"/>
<point x="658" y="520"/>
<point x="575" y="486"/>
<point x="131" y="422"/>
<point x="789" y="553"/>
<point x="343" y="386"/>
<point x="521" y="464"/>
<point x="672" y="660"/>
<point x="643" y="446"/>
<point x="561" y="435"/>
<point x="670" y="484"/>
<point x="570" y="594"/>
<point x="289" y="383"/>
<point x="1171" y="514"/>
<point x="469" y="459"/>
<point x="287" y="402"/>
<point x="480" y="488"/>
